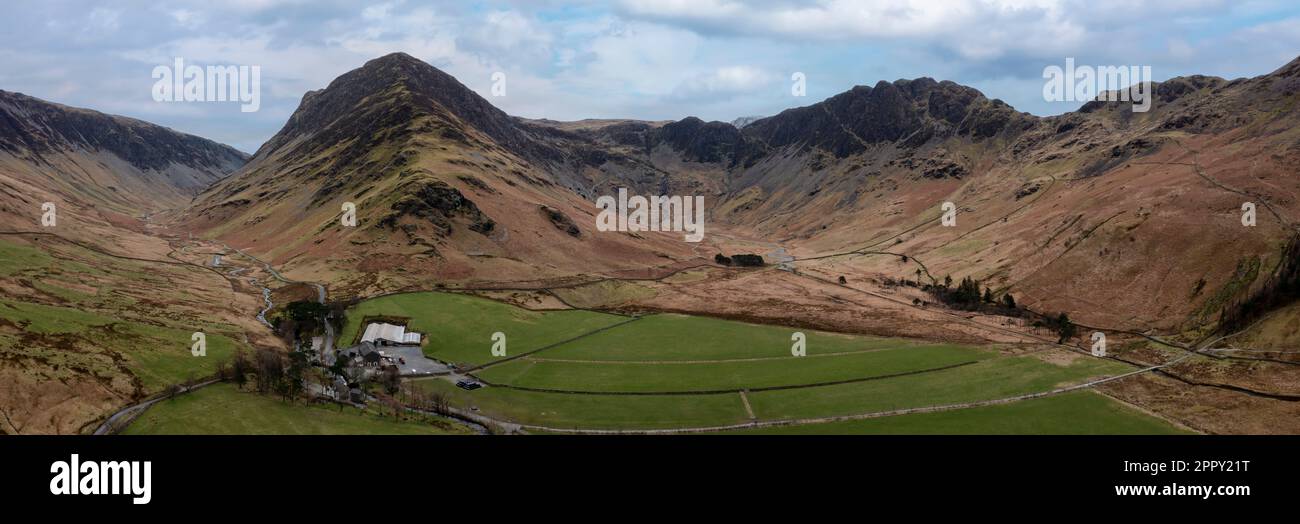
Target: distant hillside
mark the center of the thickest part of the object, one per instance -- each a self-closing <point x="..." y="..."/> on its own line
<point x="98" y="159"/>
<point x="1106" y="213"/>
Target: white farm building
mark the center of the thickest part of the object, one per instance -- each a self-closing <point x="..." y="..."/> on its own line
<point x="381" y="333"/>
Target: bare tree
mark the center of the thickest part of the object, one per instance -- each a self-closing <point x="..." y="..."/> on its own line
<point x="391" y="379"/>
<point x="385" y="401"/>
<point x="439" y="403"/>
<point x="224" y="372"/>
<point x="240" y="366"/>
<point x="270" y="370"/>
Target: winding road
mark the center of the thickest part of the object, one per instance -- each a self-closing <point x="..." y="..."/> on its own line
<point x="123" y="417"/>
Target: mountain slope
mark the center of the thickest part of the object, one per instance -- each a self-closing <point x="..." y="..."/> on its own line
<point x="1120" y="218"/>
<point x="444" y="185"/>
<point x="101" y="172"/>
<point x="95" y="310"/>
<point x="116" y="162"/>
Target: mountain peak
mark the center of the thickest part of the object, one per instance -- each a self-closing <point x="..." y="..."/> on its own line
<point x="406" y="87"/>
<point x="396" y="56"/>
<point x="907" y="111"/>
<point x="396" y="65"/>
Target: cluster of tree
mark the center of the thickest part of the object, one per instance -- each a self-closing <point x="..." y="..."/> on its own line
<point x="743" y="260"/>
<point x="304" y="319"/>
<point x="1282" y="288"/>
<point x="176" y="389"/>
<point x="301" y="310"/>
<point x="967" y="296"/>
<point x="338" y="315"/>
<point x="301" y="319"/>
<point x="268" y="371"/>
<point x="431" y="401"/>
<point x="397" y="402"/>
<point x="1060" y="324"/>
<point x="896" y="282"/>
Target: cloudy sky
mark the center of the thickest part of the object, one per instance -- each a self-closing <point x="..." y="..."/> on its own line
<point x="648" y="59"/>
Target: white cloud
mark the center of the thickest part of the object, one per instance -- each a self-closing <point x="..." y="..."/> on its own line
<point x="976" y="29"/>
<point x="104" y="19"/>
<point x="188" y="19"/>
<point x="651" y="59"/>
<point x="729" y="80"/>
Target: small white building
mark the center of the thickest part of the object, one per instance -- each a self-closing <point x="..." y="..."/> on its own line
<point x="381" y="333"/>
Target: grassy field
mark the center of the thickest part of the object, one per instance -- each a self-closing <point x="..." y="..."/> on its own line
<point x="696" y="357"/>
<point x="1074" y="413"/>
<point x="682" y="337"/>
<point x="100" y="315"/>
<point x="989" y="379"/>
<point x="15" y="258"/>
<point x="676" y="376"/>
<point x="459" y="328"/>
<point x="221" y="409"/>
<point x="158" y="356"/>
<point x="81" y="330"/>
<point x="562" y="410"/>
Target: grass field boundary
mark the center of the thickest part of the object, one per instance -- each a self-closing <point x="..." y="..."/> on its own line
<point x="715" y="361"/>
<point x="843" y="418"/>
<point x="548" y="346"/>
<point x="737" y="390"/>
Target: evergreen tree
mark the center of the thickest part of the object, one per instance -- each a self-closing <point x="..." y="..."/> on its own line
<point x="1064" y="327"/>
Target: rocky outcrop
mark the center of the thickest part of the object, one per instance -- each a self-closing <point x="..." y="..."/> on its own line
<point x="908" y="112"/>
<point x="561" y="221"/>
<point x="437" y="203"/>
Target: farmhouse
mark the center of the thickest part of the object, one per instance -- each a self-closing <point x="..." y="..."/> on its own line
<point x="367" y="354"/>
